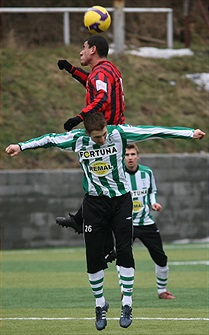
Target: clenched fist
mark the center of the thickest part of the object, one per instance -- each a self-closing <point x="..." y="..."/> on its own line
<point x="64" y="64"/>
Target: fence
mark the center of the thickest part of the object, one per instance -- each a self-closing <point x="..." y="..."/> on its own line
<point x="31" y="199"/>
<point x="118" y="36"/>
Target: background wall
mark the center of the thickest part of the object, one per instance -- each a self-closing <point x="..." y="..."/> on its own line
<point x="31" y="200"/>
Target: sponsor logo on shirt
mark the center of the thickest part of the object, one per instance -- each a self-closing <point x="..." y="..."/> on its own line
<point x="138" y="193"/>
<point x="137" y="206"/>
<point x="95" y="153"/>
<point x="100" y="168"/>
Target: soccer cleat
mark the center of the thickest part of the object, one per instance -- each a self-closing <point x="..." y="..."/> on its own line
<point x="111" y="256"/>
<point x="69" y="222"/>
<point x="166" y="295"/>
<point x="101" y="320"/>
<point x="126" y="316"/>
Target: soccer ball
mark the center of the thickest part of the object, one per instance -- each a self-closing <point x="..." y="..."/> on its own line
<point x="97" y="19"/>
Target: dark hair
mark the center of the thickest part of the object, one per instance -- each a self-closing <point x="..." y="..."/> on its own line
<point x="100" y="43"/>
<point x="133" y="146"/>
<point x="94" y="121"/>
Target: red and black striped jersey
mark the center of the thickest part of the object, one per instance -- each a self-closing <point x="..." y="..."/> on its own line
<point x="104" y="91"/>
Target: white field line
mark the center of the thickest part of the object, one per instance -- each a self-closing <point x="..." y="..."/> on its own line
<point x="67" y="318"/>
<point x="189" y="263"/>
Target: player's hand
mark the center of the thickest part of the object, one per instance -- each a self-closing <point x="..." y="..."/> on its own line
<point x="72" y="122"/>
<point x="13" y="150"/>
<point x="157" y="207"/>
<point x="64" y="64"/>
<point x="199" y="134"/>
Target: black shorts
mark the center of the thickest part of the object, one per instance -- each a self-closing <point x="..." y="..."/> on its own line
<point x="100" y="214"/>
<point x="150" y="236"/>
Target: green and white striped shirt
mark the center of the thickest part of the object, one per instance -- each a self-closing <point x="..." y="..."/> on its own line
<point x="144" y="194"/>
<point x="103" y="166"/>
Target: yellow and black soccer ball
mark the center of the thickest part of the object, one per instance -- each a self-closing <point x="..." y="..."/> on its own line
<point x="97" y="19"/>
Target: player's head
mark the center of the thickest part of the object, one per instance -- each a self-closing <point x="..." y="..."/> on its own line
<point x="96" y="127"/>
<point x="131" y="156"/>
<point x="94" y="49"/>
<point x="100" y="43"/>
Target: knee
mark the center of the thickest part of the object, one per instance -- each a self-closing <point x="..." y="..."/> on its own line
<point x="125" y="257"/>
<point x="162" y="261"/>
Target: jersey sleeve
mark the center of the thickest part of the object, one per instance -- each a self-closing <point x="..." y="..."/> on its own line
<point x="97" y="105"/>
<point x="153" y="189"/>
<point x="80" y="75"/>
<point x="142" y="133"/>
<point x="65" y="141"/>
<point x="101" y="87"/>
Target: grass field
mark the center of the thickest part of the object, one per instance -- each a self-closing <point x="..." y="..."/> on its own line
<point x="46" y="292"/>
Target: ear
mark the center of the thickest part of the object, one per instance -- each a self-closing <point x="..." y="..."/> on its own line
<point x="93" y="49"/>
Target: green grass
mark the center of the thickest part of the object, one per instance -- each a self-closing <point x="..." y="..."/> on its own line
<point x="53" y="284"/>
<point x="37" y="98"/>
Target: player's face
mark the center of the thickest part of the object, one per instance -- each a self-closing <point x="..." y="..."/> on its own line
<point x="131" y="159"/>
<point x="99" y="136"/>
<point x="86" y="54"/>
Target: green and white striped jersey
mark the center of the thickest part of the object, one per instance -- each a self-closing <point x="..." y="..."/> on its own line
<point x="144" y="194"/>
<point x="103" y="166"/>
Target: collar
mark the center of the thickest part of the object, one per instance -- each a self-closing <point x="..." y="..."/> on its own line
<point x="130" y="171"/>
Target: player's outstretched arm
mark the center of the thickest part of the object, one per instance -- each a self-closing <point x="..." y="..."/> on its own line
<point x="13" y="150"/>
<point x="199" y="134"/>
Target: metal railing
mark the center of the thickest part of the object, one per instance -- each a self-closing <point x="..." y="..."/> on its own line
<point x="66" y="18"/>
